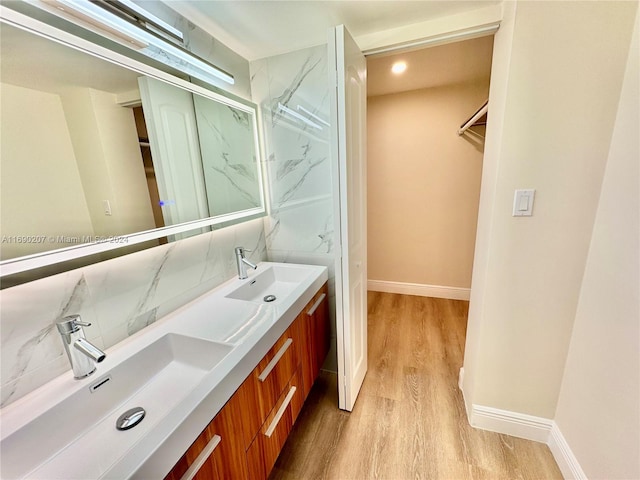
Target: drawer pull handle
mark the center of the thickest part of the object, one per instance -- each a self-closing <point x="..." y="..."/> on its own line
<point x="274" y="361"/>
<point x="313" y="309"/>
<point x="202" y="458"/>
<point x="283" y="407"/>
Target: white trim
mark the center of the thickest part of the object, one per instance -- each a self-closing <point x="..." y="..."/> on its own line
<point x="564" y="457"/>
<point x="515" y="424"/>
<point x="434" y="40"/>
<point x="525" y="426"/>
<point x="443" y="26"/>
<point x="419" y="289"/>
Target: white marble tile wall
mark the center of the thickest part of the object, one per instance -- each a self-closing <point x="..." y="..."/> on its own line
<point x="293" y="92"/>
<point x="118" y="297"/>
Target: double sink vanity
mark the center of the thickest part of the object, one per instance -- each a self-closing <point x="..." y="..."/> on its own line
<point x="220" y="382"/>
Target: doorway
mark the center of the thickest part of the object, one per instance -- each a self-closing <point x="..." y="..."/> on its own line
<point x="423" y="176"/>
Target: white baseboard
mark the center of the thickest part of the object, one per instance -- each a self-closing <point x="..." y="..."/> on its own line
<point x="566" y="460"/>
<point x="515" y="424"/>
<point x="531" y="428"/>
<point x="421" y="290"/>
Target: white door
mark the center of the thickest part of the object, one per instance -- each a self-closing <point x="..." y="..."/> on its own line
<point x="171" y="124"/>
<point x="348" y="70"/>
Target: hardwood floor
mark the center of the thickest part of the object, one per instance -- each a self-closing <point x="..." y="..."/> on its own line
<point x="409" y="420"/>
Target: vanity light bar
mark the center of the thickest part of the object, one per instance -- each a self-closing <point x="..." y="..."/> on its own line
<point x="149" y="17"/>
<point x="142" y="39"/>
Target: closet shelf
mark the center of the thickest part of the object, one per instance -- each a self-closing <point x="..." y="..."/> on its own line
<point x="475" y="118"/>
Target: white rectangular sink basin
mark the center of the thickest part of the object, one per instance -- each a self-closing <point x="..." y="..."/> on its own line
<point x="156" y="378"/>
<point x="276" y="280"/>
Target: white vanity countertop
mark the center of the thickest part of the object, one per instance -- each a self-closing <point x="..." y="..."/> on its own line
<point x="176" y="412"/>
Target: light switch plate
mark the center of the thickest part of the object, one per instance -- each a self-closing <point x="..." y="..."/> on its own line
<point x="106" y="206"/>
<point x="523" y="203"/>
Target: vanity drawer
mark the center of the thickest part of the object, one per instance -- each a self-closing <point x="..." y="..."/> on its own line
<point x="267" y="381"/>
<point x="218" y="452"/>
<point x="264" y="450"/>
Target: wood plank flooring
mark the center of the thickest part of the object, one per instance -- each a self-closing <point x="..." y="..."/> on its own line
<point x="409" y="421"/>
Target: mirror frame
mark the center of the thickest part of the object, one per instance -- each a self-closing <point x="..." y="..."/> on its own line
<point x="37" y="260"/>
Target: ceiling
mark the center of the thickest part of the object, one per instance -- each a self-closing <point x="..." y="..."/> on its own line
<point x="258" y="28"/>
<point x="453" y="63"/>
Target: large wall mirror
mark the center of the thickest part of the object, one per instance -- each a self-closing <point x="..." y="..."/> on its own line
<point x="98" y="157"/>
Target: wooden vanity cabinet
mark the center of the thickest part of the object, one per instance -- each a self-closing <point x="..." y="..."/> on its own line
<point x="254" y="424"/>
<point x="218" y="452"/>
<point x="314" y="324"/>
<point x="265" y="384"/>
<point x="265" y="448"/>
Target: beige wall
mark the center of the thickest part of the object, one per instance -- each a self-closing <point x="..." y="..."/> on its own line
<point x="40" y="177"/>
<point x="109" y="160"/>
<point x="557" y="110"/>
<point x="599" y="406"/>
<point x="424" y="185"/>
<point x="61" y="156"/>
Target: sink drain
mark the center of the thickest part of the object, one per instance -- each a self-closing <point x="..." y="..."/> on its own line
<point x="130" y="418"/>
<point x="269" y="298"/>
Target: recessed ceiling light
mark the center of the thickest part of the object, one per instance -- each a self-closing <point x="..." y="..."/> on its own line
<point x="398" y="67"/>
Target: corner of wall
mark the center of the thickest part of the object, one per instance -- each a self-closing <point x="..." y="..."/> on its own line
<point x="563" y="455"/>
<point x="503" y="40"/>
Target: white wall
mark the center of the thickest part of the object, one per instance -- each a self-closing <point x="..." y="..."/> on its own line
<point x="557" y="110"/>
<point x="479" y="16"/>
<point x="39" y="171"/>
<point x="599" y="405"/>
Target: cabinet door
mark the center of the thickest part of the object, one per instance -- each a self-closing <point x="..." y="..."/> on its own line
<point x="316" y="336"/>
<point x="218" y="452"/>
<point x="321" y="330"/>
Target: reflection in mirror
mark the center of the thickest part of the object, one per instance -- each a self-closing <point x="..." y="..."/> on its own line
<point x="175" y="151"/>
<point x="82" y="162"/>
<point x="72" y="168"/>
<point x="228" y="157"/>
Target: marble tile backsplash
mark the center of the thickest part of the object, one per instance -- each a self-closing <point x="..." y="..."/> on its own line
<point x="293" y="93"/>
<point x="119" y="297"/>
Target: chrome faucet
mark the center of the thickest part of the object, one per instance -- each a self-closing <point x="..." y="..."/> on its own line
<point x="242" y="262"/>
<point x="82" y="354"/>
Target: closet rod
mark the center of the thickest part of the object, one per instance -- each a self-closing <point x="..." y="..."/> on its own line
<point x="469" y="123"/>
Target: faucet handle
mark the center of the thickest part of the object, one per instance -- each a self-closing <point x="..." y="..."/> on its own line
<point x="71" y="324"/>
<point x="241" y="251"/>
